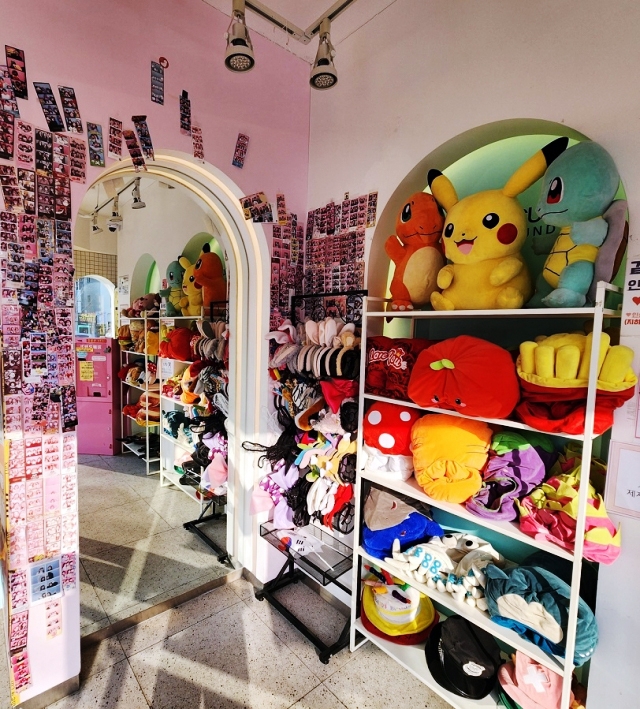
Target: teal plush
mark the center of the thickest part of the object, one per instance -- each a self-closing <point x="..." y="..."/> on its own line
<point x="577" y="195"/>
<point x="173" y="292"/>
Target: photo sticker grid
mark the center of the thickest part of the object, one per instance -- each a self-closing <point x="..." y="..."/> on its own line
<point x="7" y="134"/>
<point x="70" y="109"/>
<point x="142" y="131"/>
<point x="17" y="70"/>
<point x="157" y="83"/>
<point x="25" y="145"/>
<point x="96" y="145"/>
<point x="240" y="152"/>
<point x="49" y="106"/>
<point x="7" y="94"/>
<point x="115" y="139"/>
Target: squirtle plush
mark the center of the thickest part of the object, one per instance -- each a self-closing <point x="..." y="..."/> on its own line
<point x="416" y="251"/>
<point x="577" y="195"/>
<point x="209" y="275"/>
<point x="173" y="293"/>
<point x="483" y="235"/>
<point x="191" y="301"/>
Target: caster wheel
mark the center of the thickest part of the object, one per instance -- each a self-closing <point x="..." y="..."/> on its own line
<point x="324" y="658"/>
<point x="259" y="597"/>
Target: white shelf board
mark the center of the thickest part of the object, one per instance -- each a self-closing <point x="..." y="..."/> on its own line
<point x="174" y="478"/>
<point x="508" y="529"/>
<point x="176" y="442"/>
<point x="517" y="313"/>
<point x="412" y="658"/>
<point x="173" y="401"/>
<point x="498" y="422"/>
<point x="130" y="447"/>
<point x="150" y="390"/>
<point x="473" y="615"/>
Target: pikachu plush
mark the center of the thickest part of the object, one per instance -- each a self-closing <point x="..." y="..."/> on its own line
<point x="483" y="234"/>
<point x="191" y="301"/>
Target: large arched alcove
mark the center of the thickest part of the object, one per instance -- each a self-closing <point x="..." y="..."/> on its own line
<point x="245" y="246"/>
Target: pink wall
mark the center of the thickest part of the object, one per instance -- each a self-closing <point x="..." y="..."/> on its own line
<point x="104" y="50"/>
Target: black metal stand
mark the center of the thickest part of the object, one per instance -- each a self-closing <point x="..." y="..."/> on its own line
<point x="287" y="575"/>
<point x="192" y="526"/>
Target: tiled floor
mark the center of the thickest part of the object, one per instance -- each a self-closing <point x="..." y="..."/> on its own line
<point x="225" y="650"/>
<point x="134" y="552"/>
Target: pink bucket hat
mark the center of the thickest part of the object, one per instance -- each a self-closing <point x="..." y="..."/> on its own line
<point x="531" y="685"/>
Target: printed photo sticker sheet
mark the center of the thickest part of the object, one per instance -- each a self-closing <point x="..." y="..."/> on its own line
<point x="157" y="83"/>
<point x="142" y="131"/>
<point x="115" y="139"/>
<point x="61" y="155"/>
<point x="11" y="193"/>
<point x="53" y="617"/>
<point x="96" y="145"/>
<point x="27" y="185"/>
<point x="62" y="198"/>
<point x="185" y="113"/>
<point x="70" y="109"/>
<point x="257" y="207"/>
<point x="20" y="671"/>
<point x="134" y="149"/>
<point x="49" y="106"/>
<point x="45" y="580"/>
<point x="45" y="190"/>
<point x="44" y="152"/>
<point x="18" y="589"/>
<point x="198" y="145"/>
<point x="240" y="152"/>
<point x="27" y="235"/>
<point x="78" y="149"/>
<point x="7" y="94"/>
<point x="25" y="145"/>
<point x="7" y="134"/>
<point x="17" y="70"/>
<point x="63" y="238"/>
<point x="19" y="630"/>
<point x="281" y="208"/>
<point x="69" y="573"/>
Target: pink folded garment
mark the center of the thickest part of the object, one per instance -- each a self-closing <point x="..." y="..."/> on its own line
<point x="530" y="684"/>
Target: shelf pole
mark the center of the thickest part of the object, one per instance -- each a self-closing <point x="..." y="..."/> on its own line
<point x="355" y="585"/>
<point x="583" y="494"/>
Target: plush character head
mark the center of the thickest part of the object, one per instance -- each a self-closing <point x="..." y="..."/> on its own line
<point x="468" y="375"/>
<point x="152" y="342"/>
<point x="420" y="221"/>
<point x="209" y="275"/>
<point x="578" y="186"/>
<point x="448" y="454"/>
<point x="387" y="427"/>
<point x="175" y="272"/>
<point x="191" y="293"/>
<point x="489" y="224"/>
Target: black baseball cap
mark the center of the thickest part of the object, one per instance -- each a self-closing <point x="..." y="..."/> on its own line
<point x="463" y="658"/>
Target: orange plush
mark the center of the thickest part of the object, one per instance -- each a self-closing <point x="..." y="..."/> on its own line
<point x="209" y="275"/>
<point x="416" y="251"/>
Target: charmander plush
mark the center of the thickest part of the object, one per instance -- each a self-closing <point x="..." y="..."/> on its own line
<point x="577" y="195"/>
<point x="416" y="252"/>
<point x="468" y="375"/>
<point x="554" y="375"/>
<point x="191" y="301"/>
<point x="173" y="292"/>
<point x="209" y="275"/>
<point x="483" y="235"/>
<point x="448" y="454"/>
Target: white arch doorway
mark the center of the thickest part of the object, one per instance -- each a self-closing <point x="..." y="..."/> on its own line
<point x="248" y="264"/>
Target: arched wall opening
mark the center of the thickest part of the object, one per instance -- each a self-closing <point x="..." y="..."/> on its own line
<point x="245" y="247"/>
<point x="480" y="159"/>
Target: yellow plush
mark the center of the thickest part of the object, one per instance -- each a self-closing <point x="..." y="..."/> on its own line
<point x="191" y="301"/>
<point x="448" y="454"/>
<point x="483" y="235"/>
<point x="562" y="361"/>
<point x="152" y="342"/>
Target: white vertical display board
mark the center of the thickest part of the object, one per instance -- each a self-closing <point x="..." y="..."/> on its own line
<point x="39" y="454"/>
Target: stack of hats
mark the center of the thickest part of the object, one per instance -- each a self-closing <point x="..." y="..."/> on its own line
<point x="463" y="658"/>
<point x="394" y="610"/>
<point x="390" y="362"/>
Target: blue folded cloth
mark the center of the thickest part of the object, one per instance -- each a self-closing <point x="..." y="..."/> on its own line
<point x="535" y="604"/>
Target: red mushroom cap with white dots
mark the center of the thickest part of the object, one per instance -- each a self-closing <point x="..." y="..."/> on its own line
<point x="387" y="427"/>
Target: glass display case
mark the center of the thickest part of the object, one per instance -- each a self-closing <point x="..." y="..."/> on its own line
<point x="95" y="307"/>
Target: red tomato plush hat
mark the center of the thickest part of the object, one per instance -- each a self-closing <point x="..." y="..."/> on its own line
<point x="468" y="375"/>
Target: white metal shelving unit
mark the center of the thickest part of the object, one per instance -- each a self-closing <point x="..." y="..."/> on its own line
<point x="169" y="446"/>
<point x="413" y="657"/>
<point x="126" y="389"/>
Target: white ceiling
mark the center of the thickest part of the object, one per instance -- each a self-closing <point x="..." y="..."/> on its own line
<point x="304" y="13"/>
